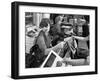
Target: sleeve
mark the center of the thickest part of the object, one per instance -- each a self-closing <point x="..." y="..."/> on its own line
<point x="41" y="43"/>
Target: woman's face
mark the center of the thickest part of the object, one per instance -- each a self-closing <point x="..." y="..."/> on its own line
<point x="80" y="30"/>
<point x="68" y="30"/>
<point x="46" y="29"/>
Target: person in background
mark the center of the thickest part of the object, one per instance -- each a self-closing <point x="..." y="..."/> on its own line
<point x="58" y="21"/>
<point x="84" y="33"/>
<point x="67" y="29"/>
<point x="56" y="30"/>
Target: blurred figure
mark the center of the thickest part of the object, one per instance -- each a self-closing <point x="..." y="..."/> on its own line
<point x="58" y="21"/>
<point x="55" y="31"/>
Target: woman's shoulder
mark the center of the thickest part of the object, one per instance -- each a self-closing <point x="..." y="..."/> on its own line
<point x="40" y="35"/>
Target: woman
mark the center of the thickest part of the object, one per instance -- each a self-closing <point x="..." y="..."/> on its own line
<point x="83" y="58"/>
<point x="44" y="40"/>
<point x="85" y="34"/>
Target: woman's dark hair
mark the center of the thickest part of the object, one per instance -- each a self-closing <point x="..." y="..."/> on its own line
<point x="44" y="22"/>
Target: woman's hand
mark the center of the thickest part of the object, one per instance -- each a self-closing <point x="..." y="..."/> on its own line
<point x="74" y="36"/>
<point x="59" y="64"/>
<point x="61" y="44"/>
<point x="67" y="39"/>
<point x="66" y="60"/>
<point x="58" y="47"/>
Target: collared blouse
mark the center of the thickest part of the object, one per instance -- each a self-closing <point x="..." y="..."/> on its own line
<point x="43" y="41"/>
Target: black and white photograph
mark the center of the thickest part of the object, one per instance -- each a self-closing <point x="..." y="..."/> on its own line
<point x="51" y="40"/>
<point x="65" y="34"/>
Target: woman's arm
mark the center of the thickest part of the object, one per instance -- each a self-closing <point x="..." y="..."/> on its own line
<point x="82" y="38"/>
<point x="77" y="62"/>
<point x="55" y="48"/>
<point x="43" y="47"/>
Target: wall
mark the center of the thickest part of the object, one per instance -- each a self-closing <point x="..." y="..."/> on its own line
<point x="5" y="40"/>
